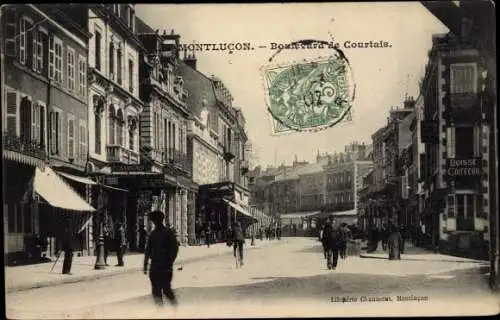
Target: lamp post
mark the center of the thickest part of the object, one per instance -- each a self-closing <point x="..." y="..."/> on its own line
<point x="99" y="263"/>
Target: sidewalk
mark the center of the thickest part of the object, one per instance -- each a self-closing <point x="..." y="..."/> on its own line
<point x="416" y="254"/>
<point x="27" y="277"/>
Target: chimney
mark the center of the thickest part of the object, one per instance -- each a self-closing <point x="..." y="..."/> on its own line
<point x="190" y="60"/>
<point x="409" y="103"/>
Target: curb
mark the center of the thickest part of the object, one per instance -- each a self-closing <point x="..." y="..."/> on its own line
<point x="44" y="284"/>
<point x="367" y="256"/>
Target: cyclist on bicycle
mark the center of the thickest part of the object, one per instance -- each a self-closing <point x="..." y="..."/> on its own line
<point x="238" y="240"/>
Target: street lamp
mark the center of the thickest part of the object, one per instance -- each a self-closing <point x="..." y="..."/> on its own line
<point x="100" y="263"/>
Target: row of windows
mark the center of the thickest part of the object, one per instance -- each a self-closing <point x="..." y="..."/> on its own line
<point x="45" y="53"/>
<point x="114" y="50"/>
<point x="117" y="129"/>
<point x="33" y="122"/>
<point x="168" y="134"/>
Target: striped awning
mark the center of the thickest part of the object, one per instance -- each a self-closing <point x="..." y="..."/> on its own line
<point x="22" y="158"/>
<point x="80" y="179"/>
<point x="48" y="185"/>
<point x="240" y="209"/>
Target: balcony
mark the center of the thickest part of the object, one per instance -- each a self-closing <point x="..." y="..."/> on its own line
<point x="244" y="167"/>
<point x="177" y="159"/>
<point x="228" y="153"/>
<point x="121" y="154"/>
<point x="24" y="146"/>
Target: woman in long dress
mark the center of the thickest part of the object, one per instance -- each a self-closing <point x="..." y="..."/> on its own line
<point x="394" y="242"/>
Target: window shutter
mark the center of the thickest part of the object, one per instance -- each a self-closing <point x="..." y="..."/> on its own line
<point x="71" y="138"/>
<point x="53" y="132"/>
<point x="59" y="133"/>
<point x="34" y="131"/>
<point x="12" y="105"/>
<point x="35" y="49"/>
<point x="51" y="57"/>
<point x="30" y="49"/>
<point x="10" y="33"/>
<point x="22" y="40"/>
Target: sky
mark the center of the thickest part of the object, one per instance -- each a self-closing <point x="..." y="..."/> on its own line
<point x="383" y="76"/>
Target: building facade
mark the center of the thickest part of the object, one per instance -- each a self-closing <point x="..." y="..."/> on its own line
<point x="45" y="121"/>
<point x="457" y="180"/>
<point x="218" y="143"/>
<point x="163" y="139"/>
<point x="113" y="106"/>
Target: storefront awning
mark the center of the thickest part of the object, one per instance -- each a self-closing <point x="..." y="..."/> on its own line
<point x="113" y="188"/>
<point x="240" y="209"/>
<point x="83" y="180"/>
<point x="48" y="185"/>
<point x="296" y="215"/>
<point x="346" y="213"/>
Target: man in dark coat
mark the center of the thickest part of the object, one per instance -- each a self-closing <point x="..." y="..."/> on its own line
<point x="394" y="241"/>
<point x="345" y="236"/>
<point x="332" y="236"/>
<point x="208" y="235"/>
<point x="121" y="243"/>
<point x="67" y="247"/>
<point x="162" y="248"/>
<point x="108" y="237"/>
<point x="238" y="240"/>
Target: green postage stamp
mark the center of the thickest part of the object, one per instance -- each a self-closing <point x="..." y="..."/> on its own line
<point x="309" y="95"/>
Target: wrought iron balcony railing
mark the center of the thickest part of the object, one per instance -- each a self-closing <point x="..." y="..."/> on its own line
<point x="120" y="154"/>
<point x="23" y="145"/>
<point x="178" y="159"/>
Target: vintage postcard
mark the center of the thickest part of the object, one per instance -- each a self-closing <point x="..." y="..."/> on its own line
<point x="249" y="160"/>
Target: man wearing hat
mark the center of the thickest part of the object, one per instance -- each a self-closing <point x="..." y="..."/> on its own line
<point x="162" y="248"/>
<point x="332" y="238"/>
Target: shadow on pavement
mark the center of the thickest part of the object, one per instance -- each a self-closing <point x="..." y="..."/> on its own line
<point x="319" y="288"/>
<point x="369" y="256"/>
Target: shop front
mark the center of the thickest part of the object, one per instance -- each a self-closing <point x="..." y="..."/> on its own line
<point x="37" y="202"/>
<point x="218" y="208"/>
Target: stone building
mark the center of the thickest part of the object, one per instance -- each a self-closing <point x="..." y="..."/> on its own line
<point x="163" y="139"/>
<point x="44" y="125"/>
<point x="217" y="144"/>
<point x="456" y="179"/>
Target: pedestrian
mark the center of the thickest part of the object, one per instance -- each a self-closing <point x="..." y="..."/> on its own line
<point x="108" y="237"/>
<point x="238" y="240"/>
<point x="261" y="233"/>
<point x="278" y="233"/>
<point x="344" y="239"/>
<point x="332" y="235"/>
<point x="394" y="242"/>
<point x="208" y="235"/>
<point x="120" y="243"/>
<point x="162" y="248"/>
<point x="67" y="247"/>
<point x="383" y="234"/>
<point x="323" y="242"/>
<point x="402" y="231"/>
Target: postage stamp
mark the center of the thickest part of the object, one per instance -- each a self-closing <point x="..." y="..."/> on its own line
<point x="309" y="95"/>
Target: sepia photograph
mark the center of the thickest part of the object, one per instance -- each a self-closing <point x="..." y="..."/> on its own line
<point x="202" y="160"/>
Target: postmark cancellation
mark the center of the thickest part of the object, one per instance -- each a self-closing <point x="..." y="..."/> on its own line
<point x="310" y="94"/>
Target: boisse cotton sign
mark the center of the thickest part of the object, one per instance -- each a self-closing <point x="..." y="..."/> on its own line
<point x="463" y="167"/>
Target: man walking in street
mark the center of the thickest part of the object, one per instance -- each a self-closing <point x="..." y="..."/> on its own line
<point x="162" y="248"/>
<point x="238" y="241"/>
<point x="67" y="247"/>
<point x="121" y="243"/>
<point x="344" y="230"/>
<point x="332" y="235"/>
<point x="208" y="235"/>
